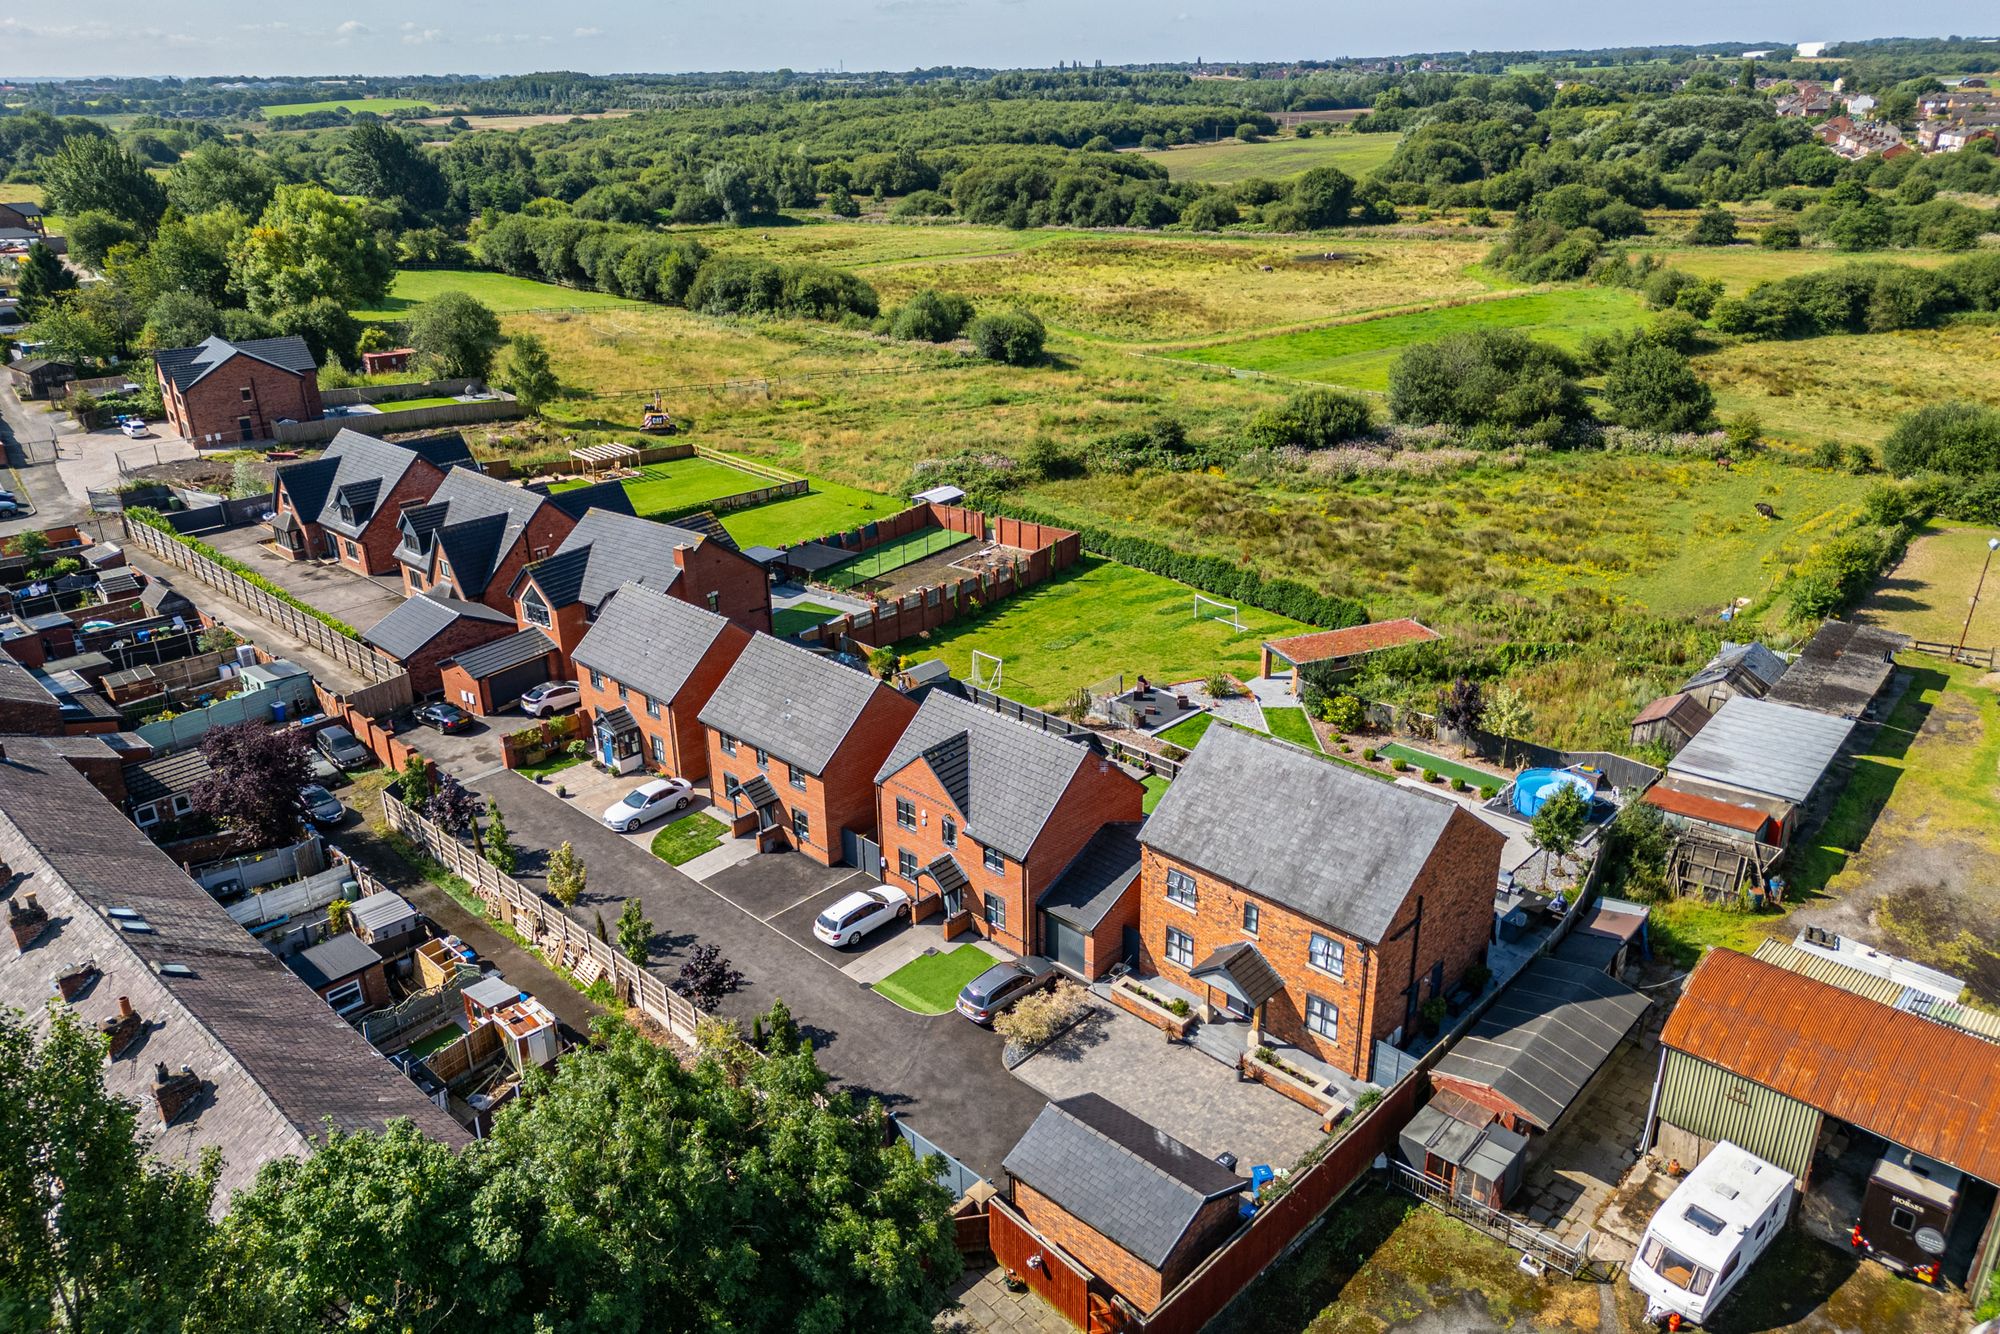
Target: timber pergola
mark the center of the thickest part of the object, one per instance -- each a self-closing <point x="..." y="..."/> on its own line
<point x="1341" y="647"/>
<point x="596" y="457"/>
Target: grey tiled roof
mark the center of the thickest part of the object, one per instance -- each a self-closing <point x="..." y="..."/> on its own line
<point x="649" y="641"/>
<point x="275" y="1058"/>
<point x="1775" y="749"/>
<point x="607" y="550"/>
<point x="1336" y="846"/>
<point x="18" y="685"/>
<point x="483" y="519"/>
<point x="522" y="646"/>
<point x="1096" y="878"/>
<point x="1241" y="969"/>
<point x="419" y="620"/>
<point x="1135" y="1185"/>
<point x="794" y="704"/>
<point x="333" y="959"/>
<point x="1005" y="777"/>
<point x="578" y="501"/>
<point x="356" y="458"/>
<point x="164" y="776"/>
<point x="1545" y="1035"/>
<point x="445" y="450"/>
<point x="188" y="366"/>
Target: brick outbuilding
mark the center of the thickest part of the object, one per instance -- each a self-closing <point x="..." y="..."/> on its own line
<point x="219" y="391"/>
<point x="794" y="743"/>
<point x="646" y="670"/>
<point x="1310" y="902"/>
<point x="425" y="631"/>
<point x="981" y="814"/>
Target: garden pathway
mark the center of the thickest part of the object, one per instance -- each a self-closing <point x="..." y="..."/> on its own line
<point x="1239" y="709"/>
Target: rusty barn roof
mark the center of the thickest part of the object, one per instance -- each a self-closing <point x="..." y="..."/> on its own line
<point x="1918" y="1083"/>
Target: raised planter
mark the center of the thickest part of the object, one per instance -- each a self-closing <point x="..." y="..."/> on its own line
<point x="958" y="924"/>
<point x="1305" y="1091"/>
<point x="1125" y="995"/>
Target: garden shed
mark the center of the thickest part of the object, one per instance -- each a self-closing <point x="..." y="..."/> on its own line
<point x="1340" y="648"/>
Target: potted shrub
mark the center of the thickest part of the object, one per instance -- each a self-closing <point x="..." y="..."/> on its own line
<point x="1432" y="1013"/>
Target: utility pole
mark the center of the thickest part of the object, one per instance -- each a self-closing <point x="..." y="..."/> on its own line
<point x="1992" y="543"/>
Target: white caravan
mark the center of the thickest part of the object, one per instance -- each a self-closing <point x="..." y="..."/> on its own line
<point x="1710" y="1230"/>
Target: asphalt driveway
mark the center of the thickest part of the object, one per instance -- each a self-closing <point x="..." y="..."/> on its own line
<point x="940" y="1073"/>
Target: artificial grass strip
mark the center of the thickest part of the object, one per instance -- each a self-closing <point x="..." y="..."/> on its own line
<point x="1440" y="766"/>
<point x="687" y="838"/>
<point x="1291" y="725"/>
<point x="799" y="617"/>
<point x="930" y="984"/>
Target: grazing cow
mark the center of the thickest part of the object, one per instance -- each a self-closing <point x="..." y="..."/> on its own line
<point x="1765" y="510"/>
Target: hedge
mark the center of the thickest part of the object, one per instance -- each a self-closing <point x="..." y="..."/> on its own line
<point x="1211" y="574"/>
<point x="152" y="518"/>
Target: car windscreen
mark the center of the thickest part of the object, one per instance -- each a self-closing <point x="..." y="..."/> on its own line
<point x="314" y="796"/>
<point x="635" y="799"/>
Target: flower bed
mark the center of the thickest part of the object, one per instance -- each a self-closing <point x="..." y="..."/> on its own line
<point x="1292" y="1082"/>
<point x="1134" y="999"/>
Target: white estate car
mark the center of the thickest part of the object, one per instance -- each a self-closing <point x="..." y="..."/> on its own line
<point x="856" y="914"/>
<point x="550" y="697"/>
<point x="648" y="802"/>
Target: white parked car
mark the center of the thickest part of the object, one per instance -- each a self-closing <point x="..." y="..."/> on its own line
<point x="648" y="802"/>
<point x="550" y="697"/>
<point x="133" y="428"/>
<point x="856" y="914"/>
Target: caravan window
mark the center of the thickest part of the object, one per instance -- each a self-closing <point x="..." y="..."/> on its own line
<point x="1704" y="1220"/>
<point x="1676" y="1268"/>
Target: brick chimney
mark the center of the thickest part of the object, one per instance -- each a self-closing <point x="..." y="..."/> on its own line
<point x="122" y="1028"/>
<point x="173" y="1093"/>
<point x="75" y="978"/>
<point x="27" y="919"/>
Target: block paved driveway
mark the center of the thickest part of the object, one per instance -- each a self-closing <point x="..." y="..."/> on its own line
<point x="939" y="1073"/>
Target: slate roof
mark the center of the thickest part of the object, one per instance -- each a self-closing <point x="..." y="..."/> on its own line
<point x="649" y="641"/>
<point x="276" y="1060"/>
<point x="333" y="959"/>
<point x="1137" y="1186"/>
<point x="18" y="685"/>
<point x="189" y="366"/>
<point x="522" y="646"/>
<point x="350" y="458"/>
<point x="578" y="501"/>
<point x="445" y="450"/>
<point x="1337" y="846"/>
<point x="164" y="776"/>
<point x="1005" y="777"/>
<point x="1753" y="744"/>
<point x="483" y="519"/>
<point x="419" y="620"/>
<point x="1841" y="670"/>
<point x="792" y="703"/>
<point x="949" y="875"/>
<point x="606" y="550"/>
<point x="1545" y="1035"/>
<point x="1240" y="969"/>
<point x="1321" y="645"/>
<point x="617" y="721"/>
<point x="1096" y="878"/>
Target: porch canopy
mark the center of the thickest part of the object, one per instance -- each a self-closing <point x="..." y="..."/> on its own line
<point x="1242" y="972"/>
<point x="595" y="457"/>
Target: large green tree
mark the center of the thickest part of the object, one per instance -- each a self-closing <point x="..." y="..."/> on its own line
<point x="386" y="164"/>
<point x="42" y="276"/>
<point x="69" y="334"/>
<point x="93" y="174"/>
<point x="193" y="254"/>
<point x="456" y="335"/>
<point x="1654" y="388"/>
<point x="216" y="176"/>
<point x="526" y="372"/>
<point x="311" y="243"/>
<point x="96" y="1237"/>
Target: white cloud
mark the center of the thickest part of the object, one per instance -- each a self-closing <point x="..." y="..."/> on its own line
<point x="415" y="36"/>
<point x="586" y="32"/>
<point x="351" y="28"/>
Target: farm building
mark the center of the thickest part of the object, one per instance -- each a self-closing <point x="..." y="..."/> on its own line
<point x="1739" y="670"/>
<point x="1340" y="649"/>
<point x="1843" y="670"/>
<point x="1671" y="720"/>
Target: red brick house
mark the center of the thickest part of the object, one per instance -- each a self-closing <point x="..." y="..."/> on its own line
<point x="220" y="391"/>
<point x="646" y="670"/>
<point x="794" y="743"/>
<point x="1134" y="1207"/>
<point x="345" y="504"/>
<point x="476" y="533"/>
<point x="1310" y="903"/>
<point x="694" y="560"/>
<point x="426" y="630"/>
<point x="982" y="814"/>
<point x="491" y="676"/>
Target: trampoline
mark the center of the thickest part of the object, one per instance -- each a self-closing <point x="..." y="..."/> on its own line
<point x="1536" y="786"/>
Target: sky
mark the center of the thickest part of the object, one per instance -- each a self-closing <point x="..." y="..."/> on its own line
<point x="270" y="37"/>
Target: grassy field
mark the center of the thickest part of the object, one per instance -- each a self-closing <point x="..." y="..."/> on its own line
<point x="1230" y="161"/>
<point x="930" y="984"/>
<point x="1359" y="353"/>
<point x="1188" y="731"/>
<point x="828" y="508"/>
<point x="1092" y="621"/>
<point x="381" y="106"/>
<point x="1741" y="267"/>
<point x="893" y="555"/>
<point x="681" y="486"/>
<point x="498" y="291"/>
<point x="1926" y="595"/>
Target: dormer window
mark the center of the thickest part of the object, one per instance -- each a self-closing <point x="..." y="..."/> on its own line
<point x="533" y="609"/>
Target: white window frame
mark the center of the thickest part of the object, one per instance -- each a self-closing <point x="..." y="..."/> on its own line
<point x="1181" y="890"/>
<point x="146" y="815"/>
<point x="347" y="997"/>
<point x="1335" y="955"/>
<point x="182" y="804"/>
<point x="534" y="609"/>
<point x="1329" y="1018"/>
<point x="1182" y="953"/>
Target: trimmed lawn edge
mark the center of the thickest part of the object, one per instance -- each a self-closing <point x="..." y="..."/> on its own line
<point x="687" y="838"/>
<point x="921" y="978"/>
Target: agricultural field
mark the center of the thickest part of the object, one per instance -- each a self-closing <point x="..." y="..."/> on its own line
<point x="1741" y="267"/>
<point x="1276" y="159"/>
<point x="381" y="106"/>
<point x="1925" y="596"/>
<point x="499" y="292"/>
<point x="1093" y="621"/>
<point x="1358" y="353"/>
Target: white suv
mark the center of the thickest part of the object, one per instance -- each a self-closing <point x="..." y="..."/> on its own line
<point x="550" y="697"/>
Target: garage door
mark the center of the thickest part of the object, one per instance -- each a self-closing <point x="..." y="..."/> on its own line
<point x="504" y="687"/>
<point x="1064" y="943"/>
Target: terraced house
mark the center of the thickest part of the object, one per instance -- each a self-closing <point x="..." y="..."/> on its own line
<point x="646" y="669"/>
<point x="693" y="560"/>
<point x="794" y="743"/>
<point x="1310" y="903"/>
<point x="981" y="814"/>
<point x="346" y="504"/>
<point x="475" y="533"/>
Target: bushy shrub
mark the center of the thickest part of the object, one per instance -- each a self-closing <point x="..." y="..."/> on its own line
<point x="1311" y="419"/>
<point x="1368" y="754"/>
<point x="1713" y="227"/>
<point x="1958" y="438"/>
<point x="930" y="317"/>
<point x="1654" y="388"/>
<point x="1428" y="775"/>
<point x="1014" y="336"/>
<point x="1780" y="235"/>
<point x="739" y="285"/>
<point x="1496" y="378"/>
<point x="1398" y="763"/>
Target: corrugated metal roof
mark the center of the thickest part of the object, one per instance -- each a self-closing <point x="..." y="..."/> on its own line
<point x="1914" y="1082"/>
<point x="1884" y="990"/>
<point x="1764" y="747"/>
<point x="1709" y="810"/>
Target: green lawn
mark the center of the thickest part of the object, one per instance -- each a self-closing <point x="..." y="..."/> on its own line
<point x="381" y="106"/>
<point x="1188" y="731"/>
<point x="685" y="485"/>
<point x="688" y="837"/>
<point x="434" y="1042"/>
<point x="1438" y="764"/>
<point x="828" y="508"/>
<point x="499" y="292"/>
<point x="1360" y="353"/>
<point x="930" y="984"/>
<point x="406" y="404"/>
<point x="1156" y="787"/>
<point x="1291" y="725"/>
<point x="1276" y="159"/>
<point x="1092" y="621"/>
<point x="788" y="621"/>
<point x="893" y="556"/>
<point x="554" y="764"/>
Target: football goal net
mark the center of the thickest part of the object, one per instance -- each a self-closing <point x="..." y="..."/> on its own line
<point x="1208" y="609"/>
<point x="986" y="670"/>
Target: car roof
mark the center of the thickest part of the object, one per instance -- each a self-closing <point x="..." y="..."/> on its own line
<point x="859" y="898"/>
<point x="999" y="972"/>
<point x="336" y="731"/>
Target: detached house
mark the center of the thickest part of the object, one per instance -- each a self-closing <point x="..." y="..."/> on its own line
<point x="794" y="743"/>
<point x="345" y="504"/>
<point x="222" y="391"/>
<point x="646" y="670"/>
<point x="982" y="814"/>
<point x="1309" y="902"/>
<point x="694" y="561"/>
<point x="475" y="533"/>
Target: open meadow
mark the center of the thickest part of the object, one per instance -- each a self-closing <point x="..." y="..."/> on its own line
<point x="381" y="106"/>
<point x="499" y="292"/>
<point x="1277" y="159"/>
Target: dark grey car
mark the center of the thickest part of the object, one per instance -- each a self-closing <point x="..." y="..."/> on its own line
<point x="1002" y="986"/>
<point x="338" y="744"/>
